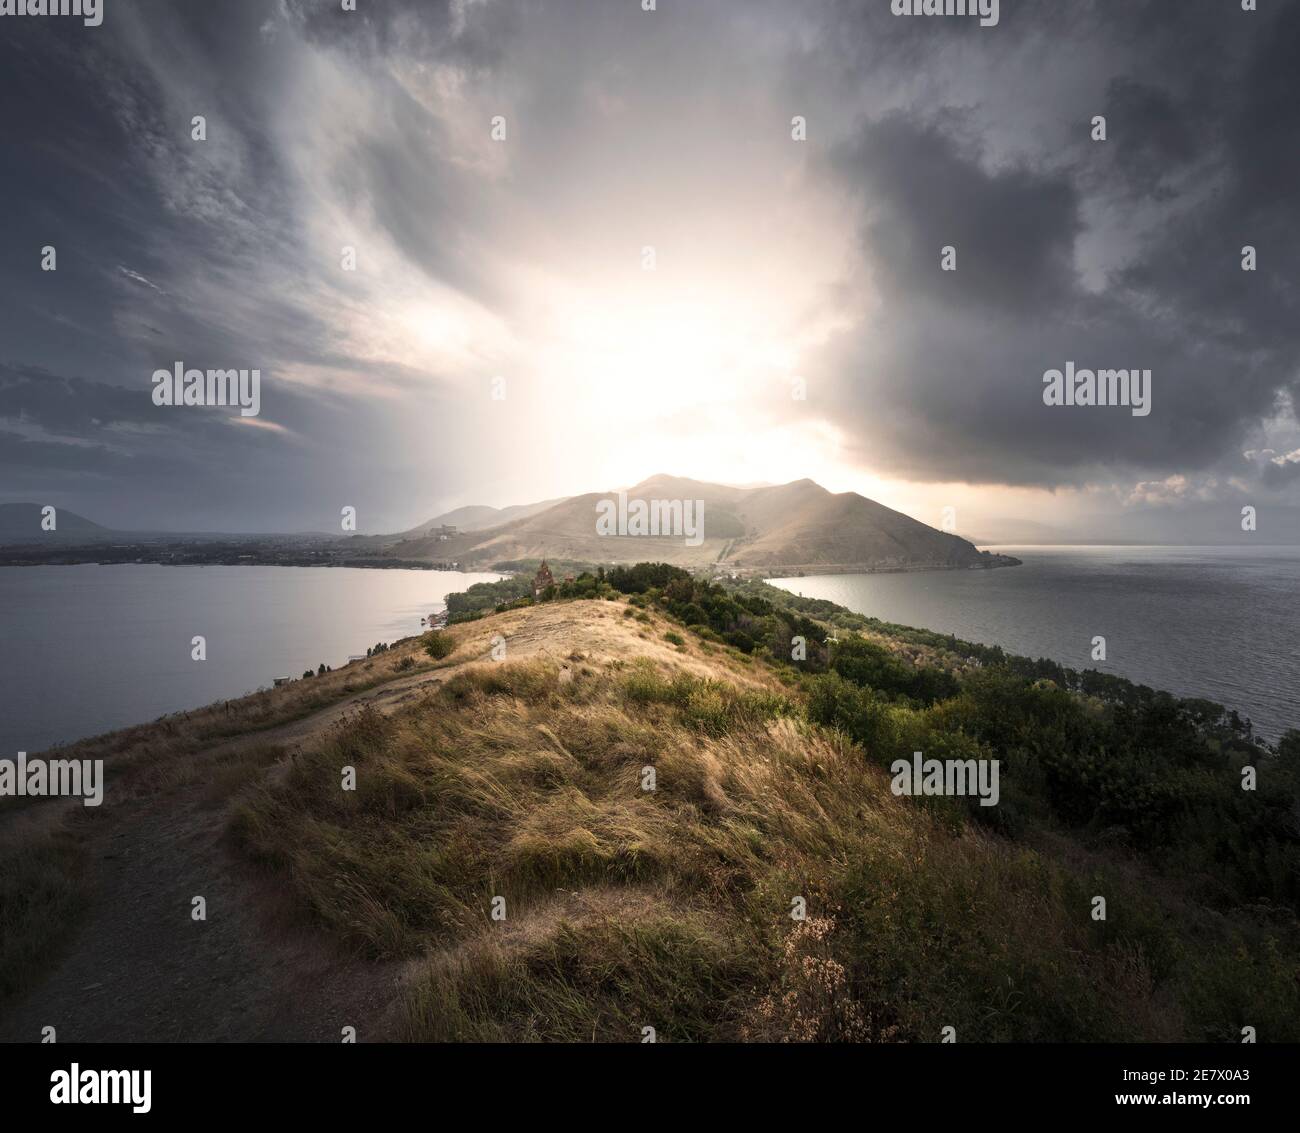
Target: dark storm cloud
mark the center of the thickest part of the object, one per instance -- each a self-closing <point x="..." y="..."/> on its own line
<point x="944" y="371"/>
<point x="1116" y="254"/>
<point x="1014" y="228"/>
<point x="172" y="250"/>
<point x="1155" y="139"/>
<point x="71" y="440"/>
<point x="1281" y="474"/>
<point x="473" y="34"/>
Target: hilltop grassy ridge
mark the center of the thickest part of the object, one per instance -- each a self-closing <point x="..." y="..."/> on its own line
<point x="524" y="778"/>
<point x="624" y="908"/>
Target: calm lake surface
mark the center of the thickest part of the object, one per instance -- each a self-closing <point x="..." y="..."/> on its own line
<point x="1217" y="622"/>
<point x="87" y="649"/>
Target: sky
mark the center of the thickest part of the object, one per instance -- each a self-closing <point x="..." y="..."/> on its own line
<point x="650" y="272"/>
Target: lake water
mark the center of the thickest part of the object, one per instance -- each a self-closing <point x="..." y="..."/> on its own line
<point x="1216" y="622"/>
<point x="88" y="648"/>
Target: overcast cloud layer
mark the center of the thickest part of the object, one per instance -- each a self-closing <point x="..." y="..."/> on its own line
<point x="522" y="259"/>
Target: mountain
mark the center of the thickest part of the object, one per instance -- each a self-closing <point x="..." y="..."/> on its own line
<point x="477" y="517"/>
<point x="780" y="529"/>
<point x="21" y="523"/>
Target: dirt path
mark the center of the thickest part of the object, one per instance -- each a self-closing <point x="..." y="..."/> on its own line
<point x="140" y="968"/>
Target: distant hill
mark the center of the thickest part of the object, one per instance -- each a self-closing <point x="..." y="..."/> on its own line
<point x="783" y="528"/>
<point x="477" y="517"/>
<point x="21" y="523"/>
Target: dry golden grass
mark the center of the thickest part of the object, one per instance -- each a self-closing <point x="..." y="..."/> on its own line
<point x="627" y="908"/>
<point x="670" y="908"/>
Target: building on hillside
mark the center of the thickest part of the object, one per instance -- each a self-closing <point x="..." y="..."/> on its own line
<point x="544" y="579"/>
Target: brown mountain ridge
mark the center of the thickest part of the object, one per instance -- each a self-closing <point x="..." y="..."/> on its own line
<point x="769" y="530"/>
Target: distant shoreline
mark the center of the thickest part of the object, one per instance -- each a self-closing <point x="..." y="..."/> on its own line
<point x="253" y="554"/>
<point x="217" y="554"/>
<point x="276" y="553"/>
<point x="806" y="569"/>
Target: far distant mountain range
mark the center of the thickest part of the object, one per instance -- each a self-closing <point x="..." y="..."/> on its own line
<point x="22" y="523"/>
<point x="770" y="529"/>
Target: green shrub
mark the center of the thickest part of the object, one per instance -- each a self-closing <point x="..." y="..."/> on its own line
<point x="834" y="702"/>
<point x="439" y="644"/>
